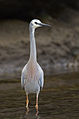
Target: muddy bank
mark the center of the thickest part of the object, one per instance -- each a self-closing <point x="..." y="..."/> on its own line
<point x="57" y="48"/>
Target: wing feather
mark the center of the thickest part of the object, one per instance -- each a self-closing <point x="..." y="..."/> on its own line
<point x="23" y="77"/>
<point x="41" y="79"/>
<point x="22" y="80"/>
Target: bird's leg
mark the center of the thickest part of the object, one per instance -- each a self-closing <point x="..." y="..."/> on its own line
<point x="36" y="104"/>
<point x="27" y="102"/>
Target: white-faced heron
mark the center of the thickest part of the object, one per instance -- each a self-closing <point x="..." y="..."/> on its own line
<point x="32" y="78"/>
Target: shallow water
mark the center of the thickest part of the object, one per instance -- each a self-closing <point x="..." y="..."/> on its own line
<point x="59" y="99"/>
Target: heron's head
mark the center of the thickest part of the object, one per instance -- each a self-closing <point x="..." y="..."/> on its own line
<point x="37" y="23"/>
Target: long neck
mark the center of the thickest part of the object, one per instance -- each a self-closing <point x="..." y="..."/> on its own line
<point x="33" y="56"/>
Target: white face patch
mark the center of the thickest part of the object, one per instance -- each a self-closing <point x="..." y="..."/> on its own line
<point x="36" y="23"/>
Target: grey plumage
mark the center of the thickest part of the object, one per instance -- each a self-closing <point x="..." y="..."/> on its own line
<point x="32" y="77"/>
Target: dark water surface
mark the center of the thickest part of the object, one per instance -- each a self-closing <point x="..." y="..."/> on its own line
<point x="58" y="100"/>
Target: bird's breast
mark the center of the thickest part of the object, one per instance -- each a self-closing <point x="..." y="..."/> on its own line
<point x="32" y="72"/>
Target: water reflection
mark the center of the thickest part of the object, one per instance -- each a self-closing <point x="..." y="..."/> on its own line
<point x="58" y="100"/>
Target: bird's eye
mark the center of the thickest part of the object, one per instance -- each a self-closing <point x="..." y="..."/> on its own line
<point x="36" y="23"/>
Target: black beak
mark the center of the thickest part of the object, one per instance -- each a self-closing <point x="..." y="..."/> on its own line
<point x="46" y="25"/>
<point x="42" y="24"/>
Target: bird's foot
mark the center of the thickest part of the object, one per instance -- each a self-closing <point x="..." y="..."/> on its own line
<point x="27" y="109"/>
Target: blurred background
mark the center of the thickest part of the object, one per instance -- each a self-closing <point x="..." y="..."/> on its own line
<point x="58" y="55"/>
<point x="58" y="47"/>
